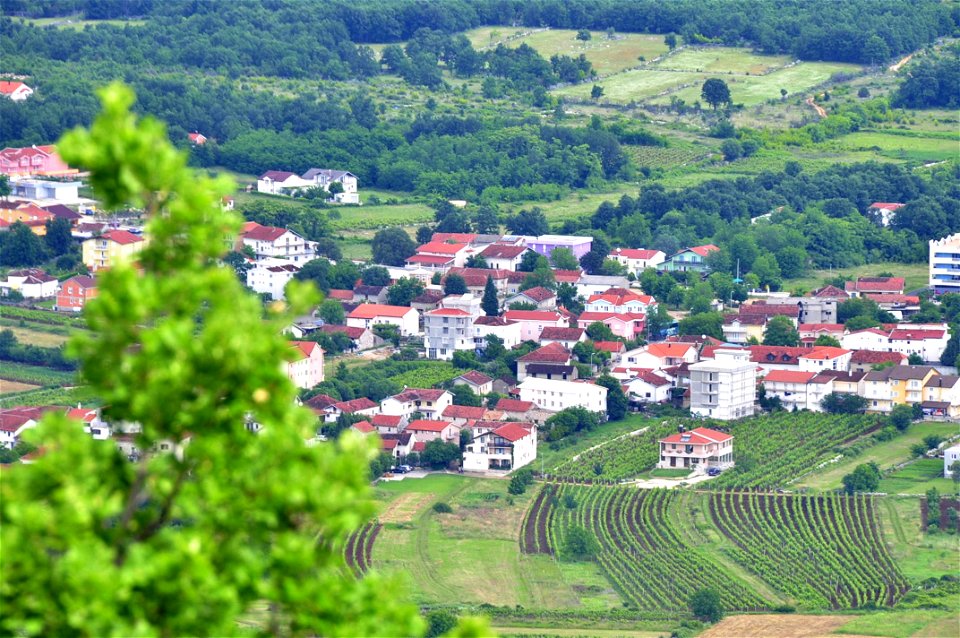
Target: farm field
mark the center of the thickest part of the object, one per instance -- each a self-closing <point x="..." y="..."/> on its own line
<point x="36" y="375"/>
<point x="913" y="623"/>
<point x="906" y="147"/>
<point x="634" y="85"/>
<point x="917" y="478"/>
<point x="551" y="455"/>
<point x="721" y="60"/>
<point x="34" y="335"/>
<point x="606" y="55"/>
<point x="473" y="555"/>
<point x="792" y="626"/>
<point x="7" y="386"/>
<point x="918" y="554"/>
<point x="916" y="275"/>
<point x="886" y="454"/>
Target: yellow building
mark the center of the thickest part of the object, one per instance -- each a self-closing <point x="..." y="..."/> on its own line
<point x="104" y="251"/>
<point x="896" y="385"/>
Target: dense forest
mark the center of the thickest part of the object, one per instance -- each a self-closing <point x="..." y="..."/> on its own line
<point x="293" y="36"/>
<point x="932" y="82"/>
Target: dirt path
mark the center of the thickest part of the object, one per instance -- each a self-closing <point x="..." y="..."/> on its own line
<point x="896" y="67"/>
<point x="816" y="107"/>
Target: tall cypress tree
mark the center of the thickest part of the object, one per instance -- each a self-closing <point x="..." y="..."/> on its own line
<point x="490" y="303"/>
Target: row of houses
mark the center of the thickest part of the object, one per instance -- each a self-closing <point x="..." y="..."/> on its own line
<point x="287" y="183"/>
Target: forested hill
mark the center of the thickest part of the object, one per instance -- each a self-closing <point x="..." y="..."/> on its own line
<point x="278" y="34"/>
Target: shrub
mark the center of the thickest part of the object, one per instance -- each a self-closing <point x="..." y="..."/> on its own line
<point x="442" y="508"/>
<point x="439" y="622"/>
<point x="705" y="605"/>
<point x="579" y="544"/>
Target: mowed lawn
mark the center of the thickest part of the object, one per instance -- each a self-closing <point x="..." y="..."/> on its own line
<point x="916" y="275"/>
<point x="886" y="455"/>
<point x="910" y="147"/>
<point x="918" y="554"/>
<point x="472" y="555"/>
<point x="917" y="478"/>
<point x="636" y="85"/>
<point x="721" y="60"/>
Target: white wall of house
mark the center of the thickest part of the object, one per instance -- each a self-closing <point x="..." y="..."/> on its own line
<point x="409" y="324"/>
<point x="511" y="334"/>
<point x="556" y="395"/>
<point x="271" y="276"/>
<point x="431" y="410"/>
<point x="306" y="372"/>
<point x="724" y="388"/>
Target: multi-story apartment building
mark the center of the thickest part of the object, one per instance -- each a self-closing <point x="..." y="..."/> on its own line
<point x="447" y="330"/>
<point x="107" y="249"/>
<point x="944" y="262"/>
<point x="724" y="388"/>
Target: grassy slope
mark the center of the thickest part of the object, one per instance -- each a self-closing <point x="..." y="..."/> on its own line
<point x="473" y="555"/>
<point x="886" y="455"/>
<point x="917" y="478"/>
<point x="916" y="275"/>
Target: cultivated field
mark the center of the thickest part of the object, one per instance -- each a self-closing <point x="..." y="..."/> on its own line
<point x="917" y="478"/>
<point x="7" y="386"/>
<point x="771" y="625"/>
<point x="722" y="60"/>
<point x="925" y="148"/>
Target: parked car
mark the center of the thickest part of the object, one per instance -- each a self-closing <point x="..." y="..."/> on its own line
<point x="400" y="469"/>
<point x="713" y="471"/>
<point x="405" y="468"/>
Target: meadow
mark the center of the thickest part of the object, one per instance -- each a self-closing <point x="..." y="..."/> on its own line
<point x="918" y="477"/>
<point x="915" y="275"/>
<point x="902" y="146"/>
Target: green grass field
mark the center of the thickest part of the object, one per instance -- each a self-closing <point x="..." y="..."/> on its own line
<point x="473" y="555"/>
<point x="930" y="623"/>
<point x="721" y="60"/>
<point x="917" y="478"/>
<point x="919" y="555"/>
<point x="635" y="85"/>
<point x="905" y="147"/>
<point x="916" y="275"/>
<point x="886" y="455"/>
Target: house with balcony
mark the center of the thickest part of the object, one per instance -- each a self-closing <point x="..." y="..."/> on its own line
<point x="105" y="251"/>
<point x="619" y="300"/>
<point x="941" y="396"/>
<point x="509" y="332"/>
<point x="33" y="160"/>
<point x="723" y="388"/>
<point x="636" y="260"/>
<point x="477" y="381"/>
<point x="552" y="361"/>
<point x="447" y="330"/>
<point x="279" y="243"/>
<point x="360" y="407"/>
<point x="821" y="358"/>
<point x="874" y="285"/>
<point x="504" y="256"/>
<point x="566" y="337"/>
<point x="532" y="322"/>
<point x="690" y="259"/>
<point x="656" y="356"/>
<point x="798" y="390"/>
<point x="32" y="283"/>
<point x="546" y="244"/>
<point x="281" y="183"/>
<point x="897" y="385"/>
<point x="555" y="395"/>
<point x="326" y="177"/>
<point x="507" y="446"/>
<point x="368" y="315"/>
<point x="698" y="449"/>
<point x="539" y="297"/>
<point x="427" y="430"/>
<point x="430" y="403"/>
<point x="629" y="325"/>
<point x="270" y="276"/>
<point x="646" y="386"/>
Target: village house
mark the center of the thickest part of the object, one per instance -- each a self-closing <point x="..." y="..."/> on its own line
<point x="508" y="447"/>
<point x="566" y="337"/>
<point x="14" y="90"/>
<point x="546" y="244"/>
<point x="532" y="322"/>
<point x="646" y="386"/>
<point x="589" y="285"/>
<point x="883" y="212"/>
<point x="477" y="381"/>
<point x="76" y="292"/>
<point x="447" y="330"/>
<point x="364" y="428"/>
<point x="305" y="370"/>
<point x="281" y="243"/>
<point x="387" y="423"/>
<point x="107" y="250"/>
<point x="698" y="449"/>
<point x="503" y="256"/>
<point x="740" y="330"/>
<point x="551" y="361"/>
<point x="883" y="285"/>
<point x="196" y="138"/>
<point x="33" y="160"/>
<point x="627" y="325"/>
<point x="429" y="255"/>
<point x="14" y="422"/>
<point x="476" y="279"/>
<point x="554" y="395"/>
<point x="270" y="276"/>
<point x="941" y="396"/>
<point x="40" y="190"/>
<point x="461" y="415"/>
<point x="430" y="403"/>
<point x="539" y="297"/>
<point x="821" y="358"/>
<point x="325" y="177"/>
<point x="636" y="260"/>
<point x="32" y="283"/>
<point x="874" y="339"/>
<point x="429" y="300"/>
<point x="950" y="456"/>
<point x="690" y="259"/>
<point x="360" y="407"/>
<point x="369" y="315"/>
<point x="798" y="390"/>
<point x="657" y="356"/>
<point x="281" y="183"/>
<point x="866" y="360"/>
<point x="29" y="214"/>
<point x="723" y="388"/>
<point x="900" y="306"/>
<point x="427" y="430"/>
<point x="517" y="410"/>
<point x="619" y="300"/>
<point x="509" y="332"/>
<point x="360" y="338"/>
<point x="810" y="332"/>
<point x="928" y="341"/>
<point x="468" y="303"/>
<point x="363" y="293"/>
<point x="897" y="385"/>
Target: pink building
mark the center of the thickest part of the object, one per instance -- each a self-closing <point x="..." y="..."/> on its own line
<point x="33" y="160"/>
<point x="532" y="322"/>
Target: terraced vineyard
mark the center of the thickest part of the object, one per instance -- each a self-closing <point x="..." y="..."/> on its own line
<point x="832" y="545"/>
<point x="618" y="459"/>
<point x="646" y="558"/>
<point x="534" y="538"/>
<point x="666" y="157"/>
<point x="798" y="442"/>
<point x="359" y="549"/>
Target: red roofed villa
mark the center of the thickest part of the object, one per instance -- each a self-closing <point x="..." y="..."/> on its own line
<point x="699" y="449"/>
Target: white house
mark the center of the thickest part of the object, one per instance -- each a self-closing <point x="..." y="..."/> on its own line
<point x="950" y="456"/>
<point x="324" y="177"/>
<point x="432" y="429"/>
<point x="629" y="325"/>
<point x="656" y="356"/>
<point x="798" y="390"/>
<point x="306" y="369"/>
<point x="14" y="421"/>
<point x="588" y="285"/>
<point x="361" y="407"/>
<point x="510" y="332"/>
<point x="503" y="256"/>
<point x="724" y="388"/>
<point x="867" y="339"/>
<point x="271" y="276"/>
<point x="93" y="423"/>
<point x="270" y="241"/>
<point x="368" y="315"/>
<point x="648" y="387"/>
<point x="16" y="91"/>
<point x="822" y="358"/>
<point x="453" y="254"/>
<point x="619" y="300"/>
<point x="697" y="449"/>
<point x="468" y="303"/>
<point x="539" y="297"/>
<point x="926" y="340"/>
<point x="508" y="447"/>
<point x="447" y="330"/>
<point x="428" y="402"/>
<point x="944" y="264"/>
<point x="281" y="182"/>
<point x="636" y="260"/>
<point x="41" y="189"/>
<point x="532" y="322"/>
<point x="555" y="395"/>
<point x="32" y="283"/>
<point x="477" y="381"/>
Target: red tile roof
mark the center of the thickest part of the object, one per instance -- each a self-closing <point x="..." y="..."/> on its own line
<point x="538" y="293"/>
<point x="704" y="250"/>
<point x="825" y="352"/>
<point x="353" y="333"/>
<point x="424" y="425"/>
<point x="886" y="205"/>
<point x="559" y="333"/>
<point x="650" y="377"/>
<point x="550" y="353"/>
<point x="875" y="356"/>
<point x="905" y="334"/>
<point x="8" y="88"/>
<point x="459" y="238"/>
<point x="670" y="349"/>
<point x="820" y="327"/>
<point x="619" y="298"/>
<point x="256" y="232"/>
<point x="635" y="253"/>
<point x="419" y="394"/>
<point x="386" y="420"/>
<point x="440" y="248"/>
<point x="321" y="401"/>
<point x="880" y="297"/>
<point x="349" y="407"/>
<point x="364" y="427"/>
<point x="697" y="436"/>
<point x="372" y="310"/>
<point x="342" y="295"/>
<point x="430" y="260"/>
<point x="477" y="277"/>
<point x="623" y="317"/>
<point x="475" y="377"/>
<point x="769" y="310"/>
<point x="532" y="315"/>
<point x="503" y="251"/>
<point x="448" y="312"/>
<point x="607" y="346"/>
<point x="567" y="276"/>
<point x="122" y="237"/>
<point x="875" y="284"/>
<point x="514" y="405"/>
<point x="511" y="432"/>
<point x="463" y="412"/>
<point x="789" y="376"/>
<point x="307" y="348"/>
<point x="830" y="292"/>
<point x="278" y="176"/>
<point x="784" y="355"/>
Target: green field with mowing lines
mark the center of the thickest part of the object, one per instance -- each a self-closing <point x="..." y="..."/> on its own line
<point x="886" y="454"/>
<point x="635" y="85"/>
<point x="721" y="60"/>
<point x="906" y="147"/>
<point x="917" y="478"/>
<point x="919" y="555"/>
